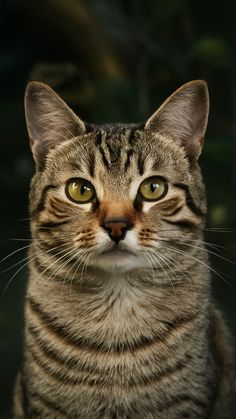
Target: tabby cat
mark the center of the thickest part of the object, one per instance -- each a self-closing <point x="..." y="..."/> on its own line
<point x="119" y="318"/>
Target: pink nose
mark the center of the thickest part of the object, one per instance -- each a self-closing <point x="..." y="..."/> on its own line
<point x="117" y="227"/>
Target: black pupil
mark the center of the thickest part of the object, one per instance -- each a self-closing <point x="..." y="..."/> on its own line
<point x="84" y="189"/>
<point x="154" y="186"/>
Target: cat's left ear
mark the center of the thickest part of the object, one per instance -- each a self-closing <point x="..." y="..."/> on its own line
<point x="49" y="120"/>
<point x="183" y="117"/>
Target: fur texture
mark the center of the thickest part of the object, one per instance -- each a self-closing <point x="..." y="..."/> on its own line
<point x="121" y="328"/>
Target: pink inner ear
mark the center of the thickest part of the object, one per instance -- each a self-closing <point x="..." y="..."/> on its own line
<point x="183" y="116"/>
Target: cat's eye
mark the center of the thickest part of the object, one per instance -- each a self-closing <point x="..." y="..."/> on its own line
<point x="80" y="191"/>
<point x="153" y="188"/>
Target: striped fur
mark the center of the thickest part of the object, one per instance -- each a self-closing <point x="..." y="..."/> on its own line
<point x="123" y="331"/>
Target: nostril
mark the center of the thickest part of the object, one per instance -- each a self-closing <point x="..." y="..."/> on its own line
<point x="117" y="228"/>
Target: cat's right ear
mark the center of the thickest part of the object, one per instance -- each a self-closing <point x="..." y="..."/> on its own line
<point x="183" y="117"/>
<point x="49" y="120"/>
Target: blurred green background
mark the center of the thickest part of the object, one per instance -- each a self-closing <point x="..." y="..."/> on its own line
<point x="112" y="60"/>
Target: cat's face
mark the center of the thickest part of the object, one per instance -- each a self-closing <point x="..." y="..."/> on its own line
<point x="116" y="197"/>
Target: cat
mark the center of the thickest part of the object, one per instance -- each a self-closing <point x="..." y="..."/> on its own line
<point x="119" y="318"/>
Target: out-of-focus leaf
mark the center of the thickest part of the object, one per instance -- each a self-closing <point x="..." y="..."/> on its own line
<point x="212" y="51"/>
<point x="218" y="216"/>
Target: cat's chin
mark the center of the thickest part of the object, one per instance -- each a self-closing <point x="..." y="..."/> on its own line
<point x="117" y="258"/>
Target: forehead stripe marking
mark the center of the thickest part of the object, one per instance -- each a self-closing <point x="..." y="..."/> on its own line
<point x="132" y="137"/>
<point x="91" y="165"/>
<point x="130" y="153"/>
<point x="108" y="145"/>
<point x="104" y="159"/>
<point x="98" y="144"/>
<point x="140" y="164"/>
<point x="114" y="153"/>
<point x="98" y="139"/>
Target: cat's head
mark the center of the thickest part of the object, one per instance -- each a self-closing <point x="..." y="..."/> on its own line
<point x="116" y="196"/>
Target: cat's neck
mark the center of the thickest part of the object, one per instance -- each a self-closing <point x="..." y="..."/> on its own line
<point x="121" y="306"/>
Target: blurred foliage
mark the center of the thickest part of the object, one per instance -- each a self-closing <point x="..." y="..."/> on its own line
<point x="111" y="60"/>
<point x="212" y="51"/>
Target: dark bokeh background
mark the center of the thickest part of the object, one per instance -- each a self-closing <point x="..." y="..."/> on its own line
<point x="111" y="60"/>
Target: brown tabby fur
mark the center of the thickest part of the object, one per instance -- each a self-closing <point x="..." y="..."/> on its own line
<point x="128" y="330"/>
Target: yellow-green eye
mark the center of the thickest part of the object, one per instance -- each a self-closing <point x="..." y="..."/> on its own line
<point x="80" y="191"/>
<point x="153" y="188"/>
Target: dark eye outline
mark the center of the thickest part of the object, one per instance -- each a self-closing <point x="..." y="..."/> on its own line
<point x="86" y="182"/>
<point x="163" y="180"/>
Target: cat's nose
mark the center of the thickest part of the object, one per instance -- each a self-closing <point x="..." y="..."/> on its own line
<point x="117" y="227"/>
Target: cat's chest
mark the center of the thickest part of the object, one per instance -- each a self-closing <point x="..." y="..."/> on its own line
<point x="111" y="314"/>
<point x="120" y="345"/>
<point x="122" y="314"/>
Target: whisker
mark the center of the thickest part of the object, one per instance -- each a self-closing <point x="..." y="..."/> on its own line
<point x="163" y="268"/>
<point x="147" y="255"/>
<point x="176" y="264"/>
<point x="208" y="229"/>
<point x="15" y="264"/>
<point x="213" y="245"/>
<point x="206" y="250"/>
<point x="55" y="261"/>
<point x="15" y="252"/>
<point x="86" y="263"/>
<point x="220" y="229"/>
<point x="76" y="256"/>
<point x="83" y="261"/>
<point x="64" y="263"/>
<point x="29" y="260"/>
<point x="197" y="260"/>
<point x="22" y="239"/>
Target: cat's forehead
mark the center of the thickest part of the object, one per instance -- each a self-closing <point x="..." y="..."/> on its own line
<point x="120" y="152"/>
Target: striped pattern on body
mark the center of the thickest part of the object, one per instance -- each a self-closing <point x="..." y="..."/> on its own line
<point x="125" y="330"/>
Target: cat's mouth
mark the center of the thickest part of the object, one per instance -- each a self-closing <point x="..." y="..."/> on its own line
<point x="117" y="257"/>
<point x="118" y="250"/>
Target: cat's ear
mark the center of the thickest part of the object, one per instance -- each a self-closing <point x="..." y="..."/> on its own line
<point x="49" y="120"/>
<point x="183" y="116"/>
